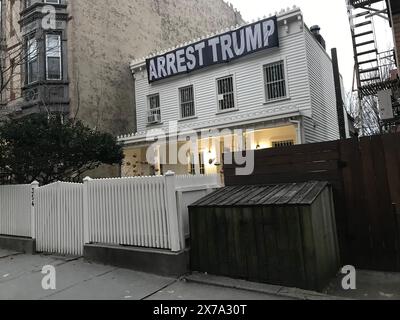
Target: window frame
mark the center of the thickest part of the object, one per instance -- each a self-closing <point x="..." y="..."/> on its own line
<point x="283" y="143"/>
<point x="264" y="80"/>
<point x="28" y="3"/>
<point x="181" y="117"/>
<point x="236" y="107"/>
<point x="28" y="53"/>
<point x="47" y="35"/>
<point x="148" y="97"/>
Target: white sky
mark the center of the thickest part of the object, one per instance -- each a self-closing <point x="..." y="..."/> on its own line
<point x="331" y="16"/>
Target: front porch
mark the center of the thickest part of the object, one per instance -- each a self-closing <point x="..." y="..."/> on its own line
<point x="204" y="154"/>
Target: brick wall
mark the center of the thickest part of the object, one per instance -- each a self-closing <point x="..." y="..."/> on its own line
<point x="396" y="30"/>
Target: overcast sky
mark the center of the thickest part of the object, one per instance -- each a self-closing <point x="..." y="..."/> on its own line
<point x="331" y="16"/>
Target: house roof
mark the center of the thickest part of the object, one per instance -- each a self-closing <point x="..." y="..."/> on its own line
<point x="269" y="195"/>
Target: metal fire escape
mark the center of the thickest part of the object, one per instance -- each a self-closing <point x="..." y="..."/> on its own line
<point x="373" y="69"/>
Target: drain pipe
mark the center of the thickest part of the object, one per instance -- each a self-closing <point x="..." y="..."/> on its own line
<point x="298" y="124"/>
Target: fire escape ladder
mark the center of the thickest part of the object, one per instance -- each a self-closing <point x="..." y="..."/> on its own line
<point x="364" y="46"/>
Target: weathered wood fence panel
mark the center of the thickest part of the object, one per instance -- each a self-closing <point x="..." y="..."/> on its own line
<point x="365" y="175"/>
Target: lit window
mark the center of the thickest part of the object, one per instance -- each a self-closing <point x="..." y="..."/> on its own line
<point x="286" y="143"/>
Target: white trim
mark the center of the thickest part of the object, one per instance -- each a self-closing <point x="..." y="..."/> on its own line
<point x="141" y="138"/>
<point x="46" y="56"/>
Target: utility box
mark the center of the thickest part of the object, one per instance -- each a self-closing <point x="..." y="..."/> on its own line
<point x="276" y="234"/>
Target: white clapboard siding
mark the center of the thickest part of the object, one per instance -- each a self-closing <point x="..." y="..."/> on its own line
<point x="323" y="126"/>
<point x="129" y="211"/>
<point x="59" y="218"/>
<point x="248" y="82"/>
<point x="15" y="210"/>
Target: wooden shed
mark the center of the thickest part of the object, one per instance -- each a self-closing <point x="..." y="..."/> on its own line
<point x="277" y="234"/>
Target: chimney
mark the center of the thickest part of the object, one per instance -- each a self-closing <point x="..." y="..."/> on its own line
<point x="315" y="30"/>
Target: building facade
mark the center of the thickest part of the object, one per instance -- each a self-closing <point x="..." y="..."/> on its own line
<point x="68" y="56"/>
<point x="394" y="7"/>
<point x="283" y="91"/>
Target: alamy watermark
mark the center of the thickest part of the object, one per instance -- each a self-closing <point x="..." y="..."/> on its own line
<point x="349" y="281"/>
<point x="49" y="21"/>
<point x="178" y="147"/>
<point x="49" y="279"/>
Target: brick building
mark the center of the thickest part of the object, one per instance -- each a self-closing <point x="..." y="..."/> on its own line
<point x="395" y="14"/>
<point x="80" y="66"/>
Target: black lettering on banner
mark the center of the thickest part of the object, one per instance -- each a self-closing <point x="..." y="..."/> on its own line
<point x="219" y="49"/>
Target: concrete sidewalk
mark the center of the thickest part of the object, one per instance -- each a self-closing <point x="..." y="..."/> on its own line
<point x="21" y="278"/>
<point x="371" y="285"/>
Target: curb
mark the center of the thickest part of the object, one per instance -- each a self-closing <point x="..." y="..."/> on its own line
<point x="280" y="291"/>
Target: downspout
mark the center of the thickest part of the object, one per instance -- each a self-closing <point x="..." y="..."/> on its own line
<point x="298" y="129"/>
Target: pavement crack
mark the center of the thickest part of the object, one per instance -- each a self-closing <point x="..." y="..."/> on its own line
<point x="160" y="289"/>
<point x="11" y="255"/>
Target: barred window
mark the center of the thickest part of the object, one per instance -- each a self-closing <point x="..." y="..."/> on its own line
<point x="154" y="112"/>
<point x="286" y="143"/>
<point x="187" y="102"/>
<point x="226" y="94"/>
<point x="275" y="82"/>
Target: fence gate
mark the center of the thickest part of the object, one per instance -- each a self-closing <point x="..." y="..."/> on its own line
<point x="15" y="210"/>
<point x="59" y="218"/>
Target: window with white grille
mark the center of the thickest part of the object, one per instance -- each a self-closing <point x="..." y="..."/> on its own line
<point x="32" y="61"/>
<point x="275" y="82"/>
<point x="53" y="57"/>
<point x="226" y="93"/>
<point x="154" y="112"/>
<point x="187" y="102"/>
<point x="286" y="143"/>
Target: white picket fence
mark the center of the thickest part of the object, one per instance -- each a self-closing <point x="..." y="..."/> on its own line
<point x="149" y="212"/>
<point x="15" y="210"/>
<point x="59" y="218"/>
<point x="130" y="211"/>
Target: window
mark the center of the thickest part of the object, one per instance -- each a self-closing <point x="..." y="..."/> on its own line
<point x="278" y="144"/>
<point x="53" y="57"/>
<point x="32" y="61"/>
<point x="275" y="83"/>
<point x="193" y="164"/>
<point x="154" y="112"/>
<point x="226" y="94"/>
<point x="187" y="102"/>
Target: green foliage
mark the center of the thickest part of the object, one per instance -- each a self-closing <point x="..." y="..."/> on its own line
<point x="50" y="148"/>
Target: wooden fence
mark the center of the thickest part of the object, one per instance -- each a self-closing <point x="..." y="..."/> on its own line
<point x="365" y="175"/>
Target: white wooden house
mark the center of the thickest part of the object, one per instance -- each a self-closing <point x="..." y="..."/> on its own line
<point x="285" y="93"/>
